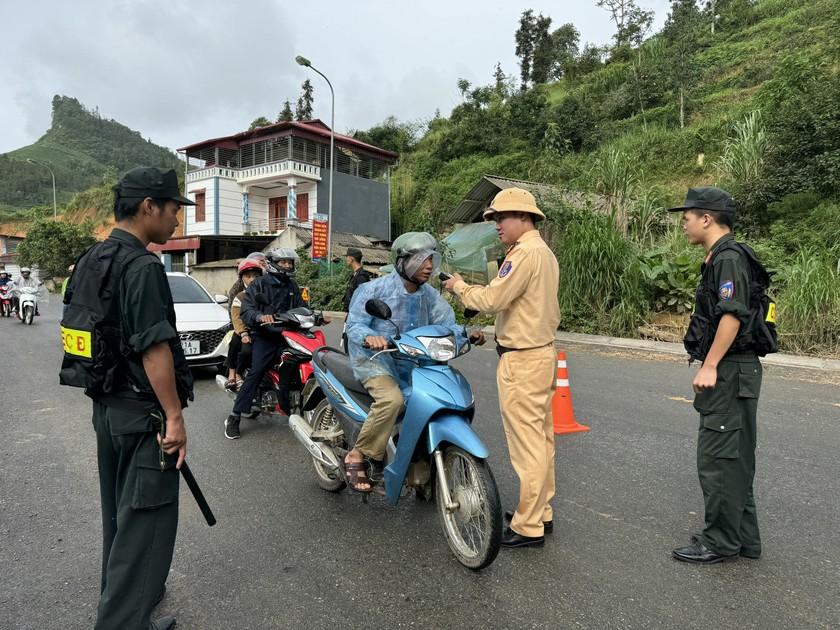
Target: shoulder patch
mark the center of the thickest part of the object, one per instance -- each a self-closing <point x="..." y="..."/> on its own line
<point x="726" y="290"/>
<point x="506" y="269"/>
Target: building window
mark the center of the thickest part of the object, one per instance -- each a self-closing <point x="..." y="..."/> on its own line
<point x="200" y="213"/>
<point x="176" y="262"/>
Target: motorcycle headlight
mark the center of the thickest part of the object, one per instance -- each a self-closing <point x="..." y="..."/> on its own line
<point x="465" y="347"/>
<point x="305" y="321"/>
<point x="440" y="348"/>
<point x="294" y="345"/>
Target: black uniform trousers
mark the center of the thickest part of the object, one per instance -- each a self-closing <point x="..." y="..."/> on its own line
<point x="726" y="455"/>
<point x="139" y="517"/>
<point x="263" y="355"/>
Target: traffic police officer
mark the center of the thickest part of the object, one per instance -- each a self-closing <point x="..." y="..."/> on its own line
<point x="525" y="297"/>
<point x="141" y="438"/>
<point x="726" y="387"/>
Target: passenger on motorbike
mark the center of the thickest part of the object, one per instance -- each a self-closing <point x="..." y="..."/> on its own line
<point x="25" y="280"/>
<point x="279" y="293"/>
<point x="4" y="278"/>
<point x="413" y="304"/>
<point x="239" y="352"/>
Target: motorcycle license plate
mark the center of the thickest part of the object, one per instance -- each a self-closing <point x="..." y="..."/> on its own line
<point x="191" y="347"/>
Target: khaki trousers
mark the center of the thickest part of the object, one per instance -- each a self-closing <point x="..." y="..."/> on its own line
<point x="388" y="403"/>
<point x="526" y="380"/>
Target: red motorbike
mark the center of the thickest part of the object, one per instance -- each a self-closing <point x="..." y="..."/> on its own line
<point x="6" y="300"/>
<point x="293" y="370"/>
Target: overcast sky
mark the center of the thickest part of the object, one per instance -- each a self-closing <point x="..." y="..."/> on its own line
<point x="182" y="71"/>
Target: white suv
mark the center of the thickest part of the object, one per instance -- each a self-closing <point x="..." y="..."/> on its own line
<point x="202" y="322"/>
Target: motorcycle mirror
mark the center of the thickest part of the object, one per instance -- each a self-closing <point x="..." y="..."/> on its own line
<point x="469" y="313"/>
<point x="378" y="309"/>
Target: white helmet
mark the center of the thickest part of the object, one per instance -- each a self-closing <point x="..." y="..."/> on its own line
<point x="278" y="254"/>
<point x="25" y="270"/>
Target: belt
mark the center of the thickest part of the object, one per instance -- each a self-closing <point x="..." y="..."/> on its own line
<point x="500" y="349"/>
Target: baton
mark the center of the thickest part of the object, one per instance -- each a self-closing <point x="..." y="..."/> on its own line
<point x="197" y="494"/>
<point x="192" y="484"/>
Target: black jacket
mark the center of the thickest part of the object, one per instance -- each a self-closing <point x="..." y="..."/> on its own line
<point x="281" y="295"/>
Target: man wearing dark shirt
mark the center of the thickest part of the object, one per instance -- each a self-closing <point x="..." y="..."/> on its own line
<point x="141" y="437"/>
<point x="359" y="277"/>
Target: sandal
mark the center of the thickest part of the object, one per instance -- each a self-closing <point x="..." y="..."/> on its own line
<point x="231" y="384"/>
<point x="352" y="476"/>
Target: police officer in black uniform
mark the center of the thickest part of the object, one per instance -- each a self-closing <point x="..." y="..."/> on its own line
<point x="359" y="277"/>
<point x="141" y="437"/>
<point x="726" y="387"/>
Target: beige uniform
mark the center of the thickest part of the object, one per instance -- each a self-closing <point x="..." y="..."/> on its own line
<point x="525" y="297"/>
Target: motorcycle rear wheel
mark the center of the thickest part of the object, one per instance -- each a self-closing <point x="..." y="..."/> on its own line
<point x="474" y="530"/>
<point x="329" y="480"/>
<point x="28" y="315"/>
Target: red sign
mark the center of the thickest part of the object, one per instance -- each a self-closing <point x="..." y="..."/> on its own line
<point x="319" y="240"/>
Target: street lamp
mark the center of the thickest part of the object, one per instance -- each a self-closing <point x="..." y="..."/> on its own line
<point x="303" y="61"/>
<point x="55" y="206"/>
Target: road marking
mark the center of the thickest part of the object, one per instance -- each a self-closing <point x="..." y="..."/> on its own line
<point x="680" y="399"/>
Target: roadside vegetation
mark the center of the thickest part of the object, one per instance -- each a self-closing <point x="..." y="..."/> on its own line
<point x="742" y="94"/>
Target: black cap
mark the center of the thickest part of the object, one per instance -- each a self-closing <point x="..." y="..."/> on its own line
<point x="707" y="198"/>
<point x="148" y="181"/>
<point x="355" y="252"/>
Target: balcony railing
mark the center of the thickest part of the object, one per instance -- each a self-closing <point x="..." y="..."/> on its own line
<point x="271" y="226"/>
<point x="261" y="172"/>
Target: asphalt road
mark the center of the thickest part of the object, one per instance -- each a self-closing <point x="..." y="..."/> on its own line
<point x="285" y="554"/>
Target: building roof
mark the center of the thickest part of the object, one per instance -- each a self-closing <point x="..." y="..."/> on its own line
<point x="375" y="252"/>
<point x="472" y="206"/>
<point x="313" y="128"/>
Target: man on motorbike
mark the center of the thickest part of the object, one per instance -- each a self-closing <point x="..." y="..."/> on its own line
<point x="4" y="278"/>
<point x="279" y="293"/>
<point x="25" y="280"/>
<point x="413" y="304"/>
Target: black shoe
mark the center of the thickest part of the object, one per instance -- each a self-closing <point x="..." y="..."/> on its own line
<point x="745" y="553"/>
<point x="511" y="539"/>
<point x="232" y="427"/>
<point x="164" y="623"/>
<point x="548" y="526"/>
<point x="700" y="554"/>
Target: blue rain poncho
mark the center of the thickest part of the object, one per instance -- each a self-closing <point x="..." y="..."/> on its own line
<point x="410" y="311"/>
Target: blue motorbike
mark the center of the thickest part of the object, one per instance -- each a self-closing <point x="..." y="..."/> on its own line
<point x="432" y="450"/>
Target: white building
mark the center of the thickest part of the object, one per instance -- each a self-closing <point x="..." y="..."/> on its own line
<point x="256" y="181"/>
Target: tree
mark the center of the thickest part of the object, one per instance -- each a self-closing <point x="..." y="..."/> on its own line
<point x="391" y="135"/>
<point x="544" y="54"/>
<point x="55" y="245"/>
<point x="680" y="33"/>
<point x="525" y="45"/>
<point x="286" y="114"/>
<point x="565" y="41"/>
<point x="631" y="22"/>
<point x="262" y="121"/>
<point x="500" y="79"/>
<point x="304" y="104"/>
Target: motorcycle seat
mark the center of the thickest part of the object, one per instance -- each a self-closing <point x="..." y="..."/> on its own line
<point x="339" y="364"/>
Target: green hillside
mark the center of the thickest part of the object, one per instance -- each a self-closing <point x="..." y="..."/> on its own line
<point x="80" y="146"/>
<point x="753" y="108"/>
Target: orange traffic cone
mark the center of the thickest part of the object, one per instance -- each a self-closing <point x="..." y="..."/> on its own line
<point x="561" y="404"/>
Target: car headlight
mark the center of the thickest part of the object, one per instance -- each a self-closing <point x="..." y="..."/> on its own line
<point x="294" y="345"/>
<point x="440" y="348"/>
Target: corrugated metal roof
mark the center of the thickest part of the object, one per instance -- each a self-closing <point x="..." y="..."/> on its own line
<point x="475" y="202"/>
<point x="374" y="251"/>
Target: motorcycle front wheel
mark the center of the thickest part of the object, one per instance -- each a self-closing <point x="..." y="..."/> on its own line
<point x="473" y="530"/>
<point x="7" y="310"/>
<point x="324" y="418"/>
<point x="28" y="314"/>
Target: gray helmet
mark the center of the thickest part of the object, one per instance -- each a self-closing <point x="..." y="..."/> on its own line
<point x="410" y="250"/>
<point x="25" y="270"/>
<point x="278" y="254"/>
